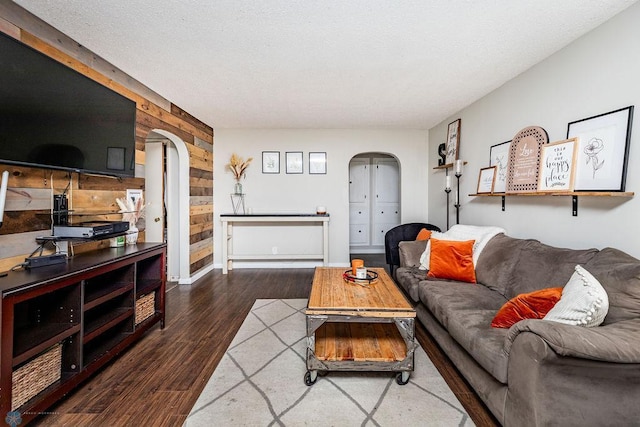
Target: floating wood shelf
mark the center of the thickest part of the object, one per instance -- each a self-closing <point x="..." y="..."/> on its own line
<point x="574" y="195"/>
<point x="565" y="193"/>
<point x="447" y="166"/>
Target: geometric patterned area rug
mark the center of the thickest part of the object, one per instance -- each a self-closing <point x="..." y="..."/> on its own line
<point x="260" y="382"/>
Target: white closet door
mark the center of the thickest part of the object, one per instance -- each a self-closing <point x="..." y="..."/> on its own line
<point x="386" y="180"/>
<point x="359" y="200"/>
<point x="359" y="181"/>
<point x="386" y="203"/>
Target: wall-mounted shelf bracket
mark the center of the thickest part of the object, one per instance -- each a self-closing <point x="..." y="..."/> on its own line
<point x="574" y="196"/>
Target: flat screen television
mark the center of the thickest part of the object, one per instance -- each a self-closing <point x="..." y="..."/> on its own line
<point x="54" y="117"/>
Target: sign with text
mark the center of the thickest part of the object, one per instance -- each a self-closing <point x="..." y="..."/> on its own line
<point x="524" y="159"/>
<point x="557" y="166"/>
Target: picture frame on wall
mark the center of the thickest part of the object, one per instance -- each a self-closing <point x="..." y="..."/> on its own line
<point x="270" y="162"/>
<point x="498" y="157"/>
<point x="293" y="162"/>
<point x="603" y="150"/>
<point x="524" y="160"/>
<point x="317" y="163"/>
<point x="486" y="180"/>
<point x="453" y="141"/>
<point x="557" y="166"/>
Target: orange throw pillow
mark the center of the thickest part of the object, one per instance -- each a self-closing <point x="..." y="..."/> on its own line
<point x="452" y="260"/>
<point x="424" y="234"/>
<point x="533" y="305"/>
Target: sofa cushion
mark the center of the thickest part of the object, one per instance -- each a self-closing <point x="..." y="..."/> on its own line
<point x="541" y="266"/>
<point x="408" y="279"/>
<point x="497" y="262"/>
<point x="619" y="275"/>
<point x="423" y="234"/>
<point x="466" y="310"/>
<point x="584" y="301"/>
<point x="452" y="260"/>
<point x="410" y="252"/>
<point x="533" y="305"/>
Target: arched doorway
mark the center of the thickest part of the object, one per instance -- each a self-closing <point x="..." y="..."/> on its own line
<point x="374" y="200"/>
<point x="167" y="193"/>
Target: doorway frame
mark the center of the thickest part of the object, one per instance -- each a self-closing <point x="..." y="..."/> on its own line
<point x="177" y="204"/>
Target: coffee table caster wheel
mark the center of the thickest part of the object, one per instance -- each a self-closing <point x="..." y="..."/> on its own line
<point x="310" y="377"/>
<point x="402" y="378"/>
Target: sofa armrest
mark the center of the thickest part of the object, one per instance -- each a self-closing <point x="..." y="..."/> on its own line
<point x="411" y="251"/>
<point x="545" y="388"/>
<point x="616" y="342"/>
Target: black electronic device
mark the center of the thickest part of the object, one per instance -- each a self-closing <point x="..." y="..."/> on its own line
<point x="88" y="230"/>
<point x="44" y="260"/>
<point x="60" y="210"/>
<point x="54" y="117"/>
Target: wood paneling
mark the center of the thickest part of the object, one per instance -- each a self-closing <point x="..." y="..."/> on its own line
<point x="200" y="249"/>
<point x="31" y="189"/>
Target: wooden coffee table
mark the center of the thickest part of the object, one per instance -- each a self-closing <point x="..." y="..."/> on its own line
<point x="355" y="327"/>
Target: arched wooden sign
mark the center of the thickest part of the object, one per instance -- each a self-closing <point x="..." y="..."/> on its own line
<point x="524" y="160"/>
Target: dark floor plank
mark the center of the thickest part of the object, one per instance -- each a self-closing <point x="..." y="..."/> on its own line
<point x="157" y="381"/>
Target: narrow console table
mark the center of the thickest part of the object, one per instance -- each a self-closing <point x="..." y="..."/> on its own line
<point x="277" y="220"/>
<point x="60" y="323"/>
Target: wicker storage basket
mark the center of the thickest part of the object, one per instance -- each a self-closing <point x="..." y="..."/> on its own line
<point x="36" y="375"/>
<point x="145" y="307"/>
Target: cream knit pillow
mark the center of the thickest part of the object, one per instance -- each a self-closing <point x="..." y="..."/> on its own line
<point x="584" y="301"/>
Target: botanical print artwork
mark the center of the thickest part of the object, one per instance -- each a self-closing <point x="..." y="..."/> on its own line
<point x="500" y="162"/>
<point x="603" y="150"/>
<point x="499" y="154"/>
<point x="596" y="156"/>
<point x="593" y="147"/>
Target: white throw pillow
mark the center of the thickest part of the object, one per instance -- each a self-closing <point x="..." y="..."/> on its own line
<point x="584" y="301"/>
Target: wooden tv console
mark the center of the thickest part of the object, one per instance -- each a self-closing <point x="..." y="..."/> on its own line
<point x="62" y="322"/>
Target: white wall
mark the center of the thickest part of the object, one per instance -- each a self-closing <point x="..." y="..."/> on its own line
<point x="598" y="73"/>
<point x="284" y="193"/>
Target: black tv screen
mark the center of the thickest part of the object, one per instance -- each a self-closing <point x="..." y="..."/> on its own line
<point x="54" y="117"/>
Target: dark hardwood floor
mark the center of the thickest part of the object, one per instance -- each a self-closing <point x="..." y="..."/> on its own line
<point x="157" y="381"/>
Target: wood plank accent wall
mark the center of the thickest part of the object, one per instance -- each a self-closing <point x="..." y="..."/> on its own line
<point x="30" y="193"/>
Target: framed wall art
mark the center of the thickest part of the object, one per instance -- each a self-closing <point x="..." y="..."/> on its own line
<point x="453" y="141"/>
<point x="317" y="163"/>
<point x="524" y="159"/>
<point x="557" y="166"/>
<point x="486" y="180"/>
<point x="293" y="160"/>
<point x="603" y="150"/>
<point x="270" y="162"/>
<point x="498" y="156"/>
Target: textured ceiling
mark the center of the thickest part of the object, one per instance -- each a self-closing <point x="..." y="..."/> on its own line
<point x="324" y="64"/>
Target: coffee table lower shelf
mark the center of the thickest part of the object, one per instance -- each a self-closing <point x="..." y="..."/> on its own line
<point x="351" y="343"/>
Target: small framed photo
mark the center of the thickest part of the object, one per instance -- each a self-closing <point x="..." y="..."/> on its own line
<point x="317" y="163"/>
<point x="270" y="162"/>
<point x="294" y="162"/>
<point x="603" y="150"/>
<point x="557" y="166"/>
<point x="486" y="180"/>
<point x="453" y="141"/>
<point x="498" y="156"/>
<point x="116" y="158"/>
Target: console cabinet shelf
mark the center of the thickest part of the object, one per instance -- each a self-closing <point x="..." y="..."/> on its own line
<point x="61" y="323"/>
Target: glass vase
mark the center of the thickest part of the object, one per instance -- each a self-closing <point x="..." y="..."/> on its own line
<point x="237" y="189"/>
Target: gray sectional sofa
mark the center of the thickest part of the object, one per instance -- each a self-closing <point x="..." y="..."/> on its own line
<point x="538" y="372"/>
